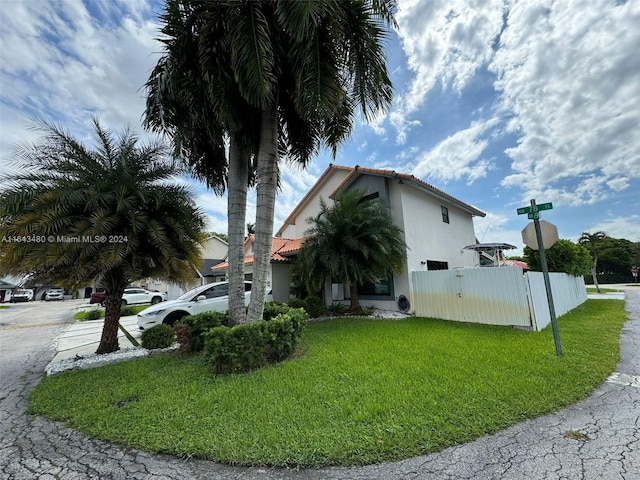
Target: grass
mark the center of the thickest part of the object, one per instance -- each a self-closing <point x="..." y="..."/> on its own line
<point x="603" y="290"/>
<point x="358" y="391"/>
<point x="2" y="307"/>
<point x="85" y="315"/>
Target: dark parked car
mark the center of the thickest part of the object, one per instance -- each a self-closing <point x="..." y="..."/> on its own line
<point x="97" y="296"/>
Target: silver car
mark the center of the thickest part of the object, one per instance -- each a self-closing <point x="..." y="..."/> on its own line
<point x="54" y="293"/>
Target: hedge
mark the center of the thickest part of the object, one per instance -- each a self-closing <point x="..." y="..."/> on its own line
<point x="250" y="346"/>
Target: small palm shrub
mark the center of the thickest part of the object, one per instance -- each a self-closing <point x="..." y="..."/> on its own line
<point x="160" y="336"/>
<point x="337" y="309"/>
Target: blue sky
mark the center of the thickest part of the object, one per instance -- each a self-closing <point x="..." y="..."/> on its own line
<point x="496" y="102"/>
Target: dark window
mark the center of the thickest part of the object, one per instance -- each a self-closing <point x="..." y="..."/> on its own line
<point x="371" y="196"/>
<point x="435" y="265"/>
<point x="445" y="214"/>
<point x="382" y="288"/>
<point x="247" y="287"/>
<point x="218" y="291"/>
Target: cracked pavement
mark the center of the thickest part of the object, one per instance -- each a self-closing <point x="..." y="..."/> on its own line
<point x="597" y="438"/>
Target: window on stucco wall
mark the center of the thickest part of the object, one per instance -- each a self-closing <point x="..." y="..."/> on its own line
<point x="445" y="214"/>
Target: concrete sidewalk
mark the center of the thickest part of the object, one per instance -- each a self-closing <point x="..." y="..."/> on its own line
<point x="82" y="338"/>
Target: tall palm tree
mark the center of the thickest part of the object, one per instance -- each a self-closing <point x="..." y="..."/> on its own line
<point x="592" y="241"/>
<point x="111" y="214"/>
<point x="354" y="241"/>
<point x="303" y="67"/>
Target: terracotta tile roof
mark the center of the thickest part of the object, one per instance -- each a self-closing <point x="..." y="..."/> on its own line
<point x="357" y="170"/>
<point x="281" y="248"/>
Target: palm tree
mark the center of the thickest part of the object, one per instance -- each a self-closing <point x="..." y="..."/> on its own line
<point x="302" y="66"/>
<point x="354" y="241"/>
<point x="592" y="241"/>
<point x="111" y="214"/>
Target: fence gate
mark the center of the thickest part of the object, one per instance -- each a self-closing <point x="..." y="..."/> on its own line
<point x="495" y="296"/>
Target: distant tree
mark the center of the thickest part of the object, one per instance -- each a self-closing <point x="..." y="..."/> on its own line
<point x="353" y="242"/>
<point x="615" y="259"/>
<point x="109" y="214"/>
<point x="221" y="236"/>
<point x="592" y="241"/>
<point x="564" y="256"/>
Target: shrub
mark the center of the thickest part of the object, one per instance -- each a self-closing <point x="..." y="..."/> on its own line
<point x="93" y="314"/>
<point x="183" y="336"/>
<point x="160" y="336"/>
<point x="127" y="310"/>
<point x="237" y="349"/>
<point x="315" y="307"/>
<point x="368" y="311"/>
<point x="312" y="305"/>
<point x="201" y="323"/>
<point x="273" y="309"/>
<point x="246" y="347"/>
<point x="283" y="333"/>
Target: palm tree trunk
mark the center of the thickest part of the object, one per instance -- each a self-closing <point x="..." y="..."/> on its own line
<point x="236" y="214"/>
<point x="113" y="304"/>
<point x="355" y="301"/>
<point x="594" y="274"/>
<point x="267" y="183"/>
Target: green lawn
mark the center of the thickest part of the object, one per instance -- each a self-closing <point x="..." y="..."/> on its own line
<point x="359" y="391"/>
<point x="128" y="310"/>
<point x="603" y="290"/>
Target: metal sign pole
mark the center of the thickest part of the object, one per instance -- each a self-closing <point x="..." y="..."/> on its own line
<point x="547" y="281"/>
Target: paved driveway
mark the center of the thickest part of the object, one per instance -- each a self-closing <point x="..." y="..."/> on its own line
<point x="608" y="422"/>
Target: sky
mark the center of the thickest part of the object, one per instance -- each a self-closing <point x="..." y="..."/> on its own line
<point x="496" y="102"/>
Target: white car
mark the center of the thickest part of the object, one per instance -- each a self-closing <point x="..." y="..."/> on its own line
<point x="21" y="295"/>
<point x="133" y="296"/>
<point x="207" y="298"/>
<point x="54" y="293"/>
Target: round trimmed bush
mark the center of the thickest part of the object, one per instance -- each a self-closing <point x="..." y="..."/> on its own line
<point x="160" y="336"/>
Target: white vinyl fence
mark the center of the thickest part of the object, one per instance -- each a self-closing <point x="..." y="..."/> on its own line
<point x="496" y="296"/>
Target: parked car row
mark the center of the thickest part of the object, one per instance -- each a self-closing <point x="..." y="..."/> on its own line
<point x="27" y="295"/>
<point x="131" y="296"/>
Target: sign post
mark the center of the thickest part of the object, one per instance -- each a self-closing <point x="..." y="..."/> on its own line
<point x="533" y="212"/>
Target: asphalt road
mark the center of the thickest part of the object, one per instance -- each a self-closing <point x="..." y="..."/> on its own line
<point x="605" y="443"/>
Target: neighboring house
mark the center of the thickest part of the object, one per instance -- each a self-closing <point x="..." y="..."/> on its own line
<point x="6" y="287"/>
<point x="436" y="228"/>
<point x="282" y="249"/>
<point x="214" y="251"/>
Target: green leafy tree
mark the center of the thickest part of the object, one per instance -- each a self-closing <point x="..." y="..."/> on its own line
<point x="564" y="256"/>
<point x="110" y="214"/>
<point x="353" y="242"/>
<point x="302" y="66"/>
<point x="592" y="242"/>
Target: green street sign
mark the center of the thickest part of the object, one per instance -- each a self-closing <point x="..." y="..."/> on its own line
<point x="532" y="215"/>
<point x="523" y="210"/>
<point x="545" y="206"/>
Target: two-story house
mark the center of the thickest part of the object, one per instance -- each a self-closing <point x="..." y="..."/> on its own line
<point x="436" y="229"/>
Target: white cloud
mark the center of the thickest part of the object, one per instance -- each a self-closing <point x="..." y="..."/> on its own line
<point x="619" y="227"/>
<point x="457" y="156"/>
<point x="567" y="74"/>
<point x="493" y="229"/>
<point x="58" y="63"/>
<point x="446" y="42"/>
